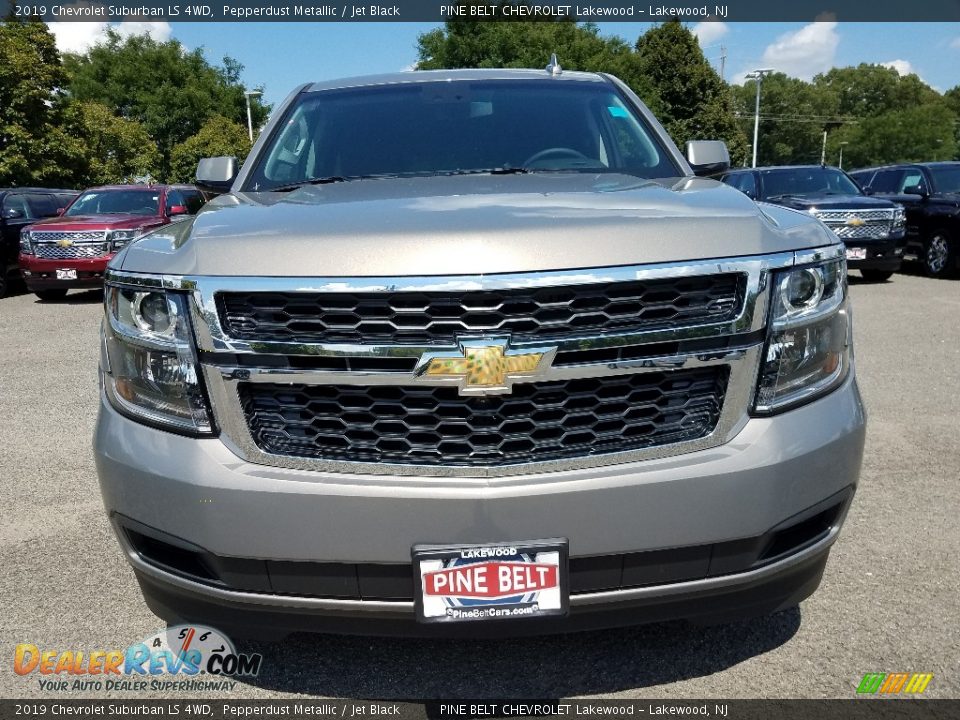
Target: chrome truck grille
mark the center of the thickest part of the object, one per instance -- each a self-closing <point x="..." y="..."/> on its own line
<point x="474" y="378"/>
<point x="69" y="245"/>
<point x="858" y="224"/>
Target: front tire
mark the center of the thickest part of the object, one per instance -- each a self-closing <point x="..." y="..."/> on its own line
<point x="939" y="254"/>
<point x="876" y="276"/>
<point x="51" y="295"/>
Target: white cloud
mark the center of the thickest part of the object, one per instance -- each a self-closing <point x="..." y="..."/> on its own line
<point x="710" y="31"/>
<point x="804" y="53"/>
<point x="903" y="67"/>
<point x="78" y="37"/>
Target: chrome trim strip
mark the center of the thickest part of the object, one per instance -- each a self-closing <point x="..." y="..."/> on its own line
<point x="235" y="433"/>
<point x="404" y="609"/>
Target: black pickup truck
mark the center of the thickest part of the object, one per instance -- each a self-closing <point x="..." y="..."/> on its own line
<point x="871" y="228"/>
<point x="930" y="193"/>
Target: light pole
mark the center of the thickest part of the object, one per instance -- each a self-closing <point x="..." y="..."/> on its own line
<point x="249" y="94"/>
<point x="758" y="76"/>
<point x="842" y="143"/>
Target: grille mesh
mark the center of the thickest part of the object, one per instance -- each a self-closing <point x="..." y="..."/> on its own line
<point x="53" y="236"/>
<point x="436" y="426"/>
<point x="423" y="317"/>
<point x="50" y="251"/>
<point x="875" y="223"/>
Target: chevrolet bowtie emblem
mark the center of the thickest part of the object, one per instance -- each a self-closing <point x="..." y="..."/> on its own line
<point x="855" y="222"/>
<point x="65" y="243"/>
<point x="484" y="367"/>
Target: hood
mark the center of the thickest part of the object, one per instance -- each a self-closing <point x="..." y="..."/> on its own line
<point x="470" y="225"/>
<point x="833" y="202"/>
<point x="96" y="222"/>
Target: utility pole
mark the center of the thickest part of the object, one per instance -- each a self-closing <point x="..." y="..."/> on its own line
<point x="840" y="163"/>
<point x="251" y="94"/>
<point x="823" y="149"/>
<point x="723" y="62"/>
<point x="758" y="76"/>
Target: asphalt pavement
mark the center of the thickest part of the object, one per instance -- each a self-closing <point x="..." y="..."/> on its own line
<point x="888" y="602"/>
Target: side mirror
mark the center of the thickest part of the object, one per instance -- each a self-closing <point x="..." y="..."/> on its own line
<point x="708" y="157"/>
<point x="12" y="214"/>
<point x="61" y="211"/>
<point x="915" y="190"/>
<point x="177" y="210"/>
<point x="867" y="190"/>
<point x="217" y="174"/>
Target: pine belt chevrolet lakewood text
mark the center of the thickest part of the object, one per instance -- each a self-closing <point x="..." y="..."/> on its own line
<point x="476" y="352"/>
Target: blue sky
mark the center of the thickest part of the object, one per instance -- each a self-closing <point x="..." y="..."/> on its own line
<point x="278" y="56"/>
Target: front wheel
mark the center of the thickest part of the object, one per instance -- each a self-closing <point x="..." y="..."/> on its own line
<point x="51" y="295"/>
<point x="876" y="275"/>
<point x="939" y="254"/>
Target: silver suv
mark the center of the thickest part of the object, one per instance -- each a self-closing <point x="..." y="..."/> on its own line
<point x="476" y="352"/>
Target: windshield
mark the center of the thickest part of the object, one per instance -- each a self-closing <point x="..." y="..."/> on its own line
<point x="946" y="179"/>
<point x="447" y="127"/>
<point x="807" y="181"/>
<point x="124" y="202"/>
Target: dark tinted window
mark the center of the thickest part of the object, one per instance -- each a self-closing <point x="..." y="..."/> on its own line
<point x="42" y="206"/>
<point x="174" y="197"/>
<point x="744" y="182"/>
<point x="806" y="181"/>
<point x="442" y="127"/>
<point x="887" y="181"/>
<point x="863" y="177"/>
<point x="63" y="200"/>
<point x="946" y="179"/>
<point x="18" y="203"/>
<point x="194" y="201"/>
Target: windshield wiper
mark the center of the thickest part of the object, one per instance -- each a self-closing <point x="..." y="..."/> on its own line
<point x="507" y="170"/>
<point x="329" y="180"/>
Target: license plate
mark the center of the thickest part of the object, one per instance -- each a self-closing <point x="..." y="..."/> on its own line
<point x="856" y="253"/>
<point x="470" y="583"/>
<point x="69" y="274"/>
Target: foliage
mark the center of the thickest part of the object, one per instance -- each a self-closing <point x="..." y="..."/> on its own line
<point x="688" y="96"/>
<point x="36" y="145"/>
<point x="119" y="150"/>
<point x="218" y="136"/>
<point x="171" y="91"/>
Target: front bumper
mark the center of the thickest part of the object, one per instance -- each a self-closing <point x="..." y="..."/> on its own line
<point x="884" y="255"/>
<point x="42" y="274"/>
<point x="199" y="492"/>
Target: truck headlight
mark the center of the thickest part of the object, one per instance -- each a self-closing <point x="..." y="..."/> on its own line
<point x="26" y="244"/>
<point x="807" y="353"/>
<point x="150" y="368"/>
<point x="899" y="218"/>
<point x="119" y="238"/>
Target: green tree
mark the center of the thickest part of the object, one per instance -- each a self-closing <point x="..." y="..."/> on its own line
<point x="218" y="136"/>
<point x="912" y="134"/>
<point x="36" y="147"/>
<point x="119" y="150"/>
<point x="689" y="97"/>
<point x="171" y="91"/>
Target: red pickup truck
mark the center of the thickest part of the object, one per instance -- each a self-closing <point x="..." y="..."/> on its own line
<point x="72" y="250"/>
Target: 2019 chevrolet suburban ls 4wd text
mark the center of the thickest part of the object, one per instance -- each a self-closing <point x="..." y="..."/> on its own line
<point x="476" y="351"/>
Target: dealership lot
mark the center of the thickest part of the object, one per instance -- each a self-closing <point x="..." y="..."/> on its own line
<point x="888" y="602"/>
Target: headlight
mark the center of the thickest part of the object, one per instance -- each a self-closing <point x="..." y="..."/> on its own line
<point x="899" y="218"/>
<point x="150" y="367"/>
<point x="119" y="238"/>
<point x="808" y="347"/>
<point x="26" y="245"/>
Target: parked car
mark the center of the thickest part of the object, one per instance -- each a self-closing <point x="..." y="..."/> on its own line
<point x="18" y="208"/>
<point x="476" y="352"/>
<point x="872" y="229"/>
<point x="72" y="250"/>
<point x="930" y="193"/>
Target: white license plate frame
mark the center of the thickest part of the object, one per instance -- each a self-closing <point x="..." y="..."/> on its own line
<point x="856" y="253"/>
<point x="477" y="577"/>
<point x="67" y="274"/>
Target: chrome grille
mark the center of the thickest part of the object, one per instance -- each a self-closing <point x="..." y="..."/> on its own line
<point x="51" y="251"/>
<point x="867" y="224"/>
<point x="436" y="426"/>
<point x="427" y="317"/>
<point x="52" y="236"/>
